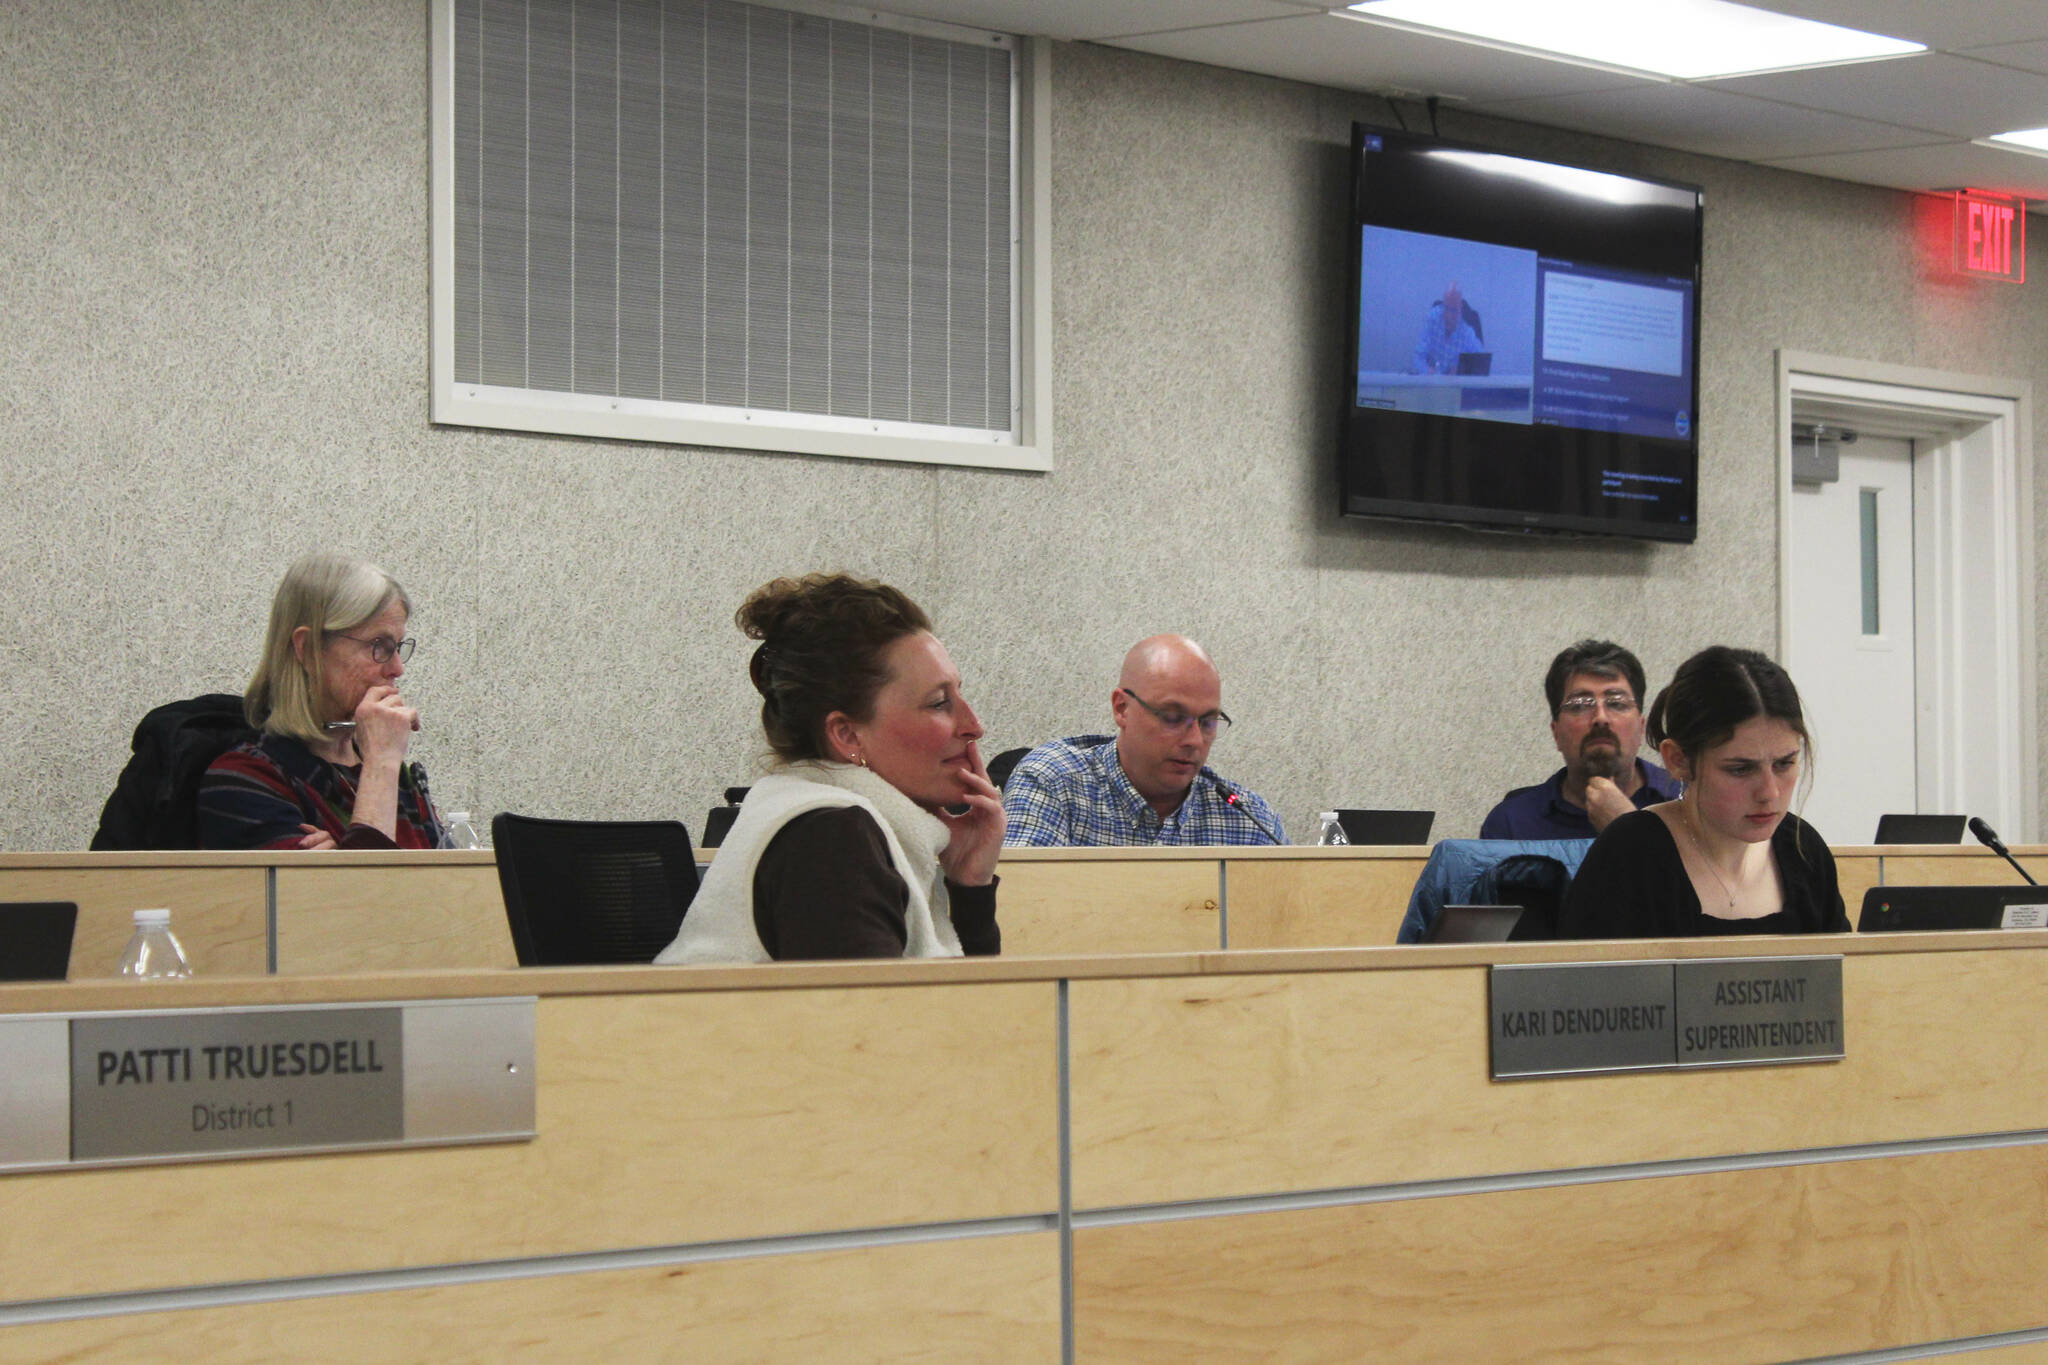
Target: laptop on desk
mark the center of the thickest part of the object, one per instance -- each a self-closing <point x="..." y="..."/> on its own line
<point x="1892" y="909"/>
<point x="1475" y="362"/>
<point x="1921" y="829"/>
<point x="1385" y="827"/>
<point x="1473" y="924"/>
<point x="35" y="940"/>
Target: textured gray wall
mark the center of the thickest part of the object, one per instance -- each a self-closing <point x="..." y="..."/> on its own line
<point x="213" y="280"/>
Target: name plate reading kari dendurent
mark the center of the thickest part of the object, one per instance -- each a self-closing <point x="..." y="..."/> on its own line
<point x="163" y="1085"/>
<point x="1551" y="1019"/>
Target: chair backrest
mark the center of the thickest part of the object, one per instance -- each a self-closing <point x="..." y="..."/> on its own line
<point x="718" y="823"/>
<point x="35" y="939"/>
<point x="586" y="892"/>
<point x="1003" y="764"/>
<point x="155" y="803"/>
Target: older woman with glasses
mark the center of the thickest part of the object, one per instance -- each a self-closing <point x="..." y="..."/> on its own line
<point x="876" y="831"/>
<point x="328" y="768"/>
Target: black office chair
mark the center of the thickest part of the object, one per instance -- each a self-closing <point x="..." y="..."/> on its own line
<point x="586" y="892"/>
<point x="718" y="820"/>
<point x="1003" y="764"/>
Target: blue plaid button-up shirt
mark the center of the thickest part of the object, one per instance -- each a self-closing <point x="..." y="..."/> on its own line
<point x="1074" y="792"/>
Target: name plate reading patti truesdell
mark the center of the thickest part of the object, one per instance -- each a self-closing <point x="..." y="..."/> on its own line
<point x="1739" y="1010"/>
<point x="1554" y="1019"/>
<point x="185" y="1084"/>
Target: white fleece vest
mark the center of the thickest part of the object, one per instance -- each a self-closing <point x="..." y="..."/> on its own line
<point x="719" y="925"/>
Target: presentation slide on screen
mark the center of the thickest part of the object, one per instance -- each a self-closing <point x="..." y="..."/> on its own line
<point x="1474" y="329"/>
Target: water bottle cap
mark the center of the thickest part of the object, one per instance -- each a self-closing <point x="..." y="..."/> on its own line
<point x="152" y="917"/>
<point x="1327" y="815"/>
<point x="458" y="817"/>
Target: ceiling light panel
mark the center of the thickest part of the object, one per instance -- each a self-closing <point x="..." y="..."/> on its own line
<point x="1679" y="39"/>
<point x="2024" y="139"/>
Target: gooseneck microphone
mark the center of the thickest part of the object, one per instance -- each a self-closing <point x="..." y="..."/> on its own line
<point x="1989" y="838"/>
<point x="1236" y="803"/>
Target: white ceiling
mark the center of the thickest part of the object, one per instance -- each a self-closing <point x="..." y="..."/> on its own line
<point x="1906" y="123"/>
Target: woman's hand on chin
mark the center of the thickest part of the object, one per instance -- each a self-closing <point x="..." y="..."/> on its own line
<point x="384" y="725"/>
<point x="970" y="855"/>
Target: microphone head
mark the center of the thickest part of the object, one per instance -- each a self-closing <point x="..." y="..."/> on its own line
<point x="1985" y="834"/>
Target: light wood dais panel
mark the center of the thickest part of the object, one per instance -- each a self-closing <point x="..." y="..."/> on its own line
<point x="369" y="919"/>
<point x="663" y="1119"/>
<point x="1857" y="874"/>
<point x="218" y="913"/>
<point x="1102" y="906"/>
<point x="1254" y="1084"/>
<point x="1787" y="1263"/>
<point x="1335" y="902"/>
<point x="1983" y="868"/>
<point x="981" y="1299"/>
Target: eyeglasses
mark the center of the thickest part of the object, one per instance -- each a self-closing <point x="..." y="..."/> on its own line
<point x="382" y="648"/>
<point x="1210" y="723"/>
<point x="1583" y="704"/>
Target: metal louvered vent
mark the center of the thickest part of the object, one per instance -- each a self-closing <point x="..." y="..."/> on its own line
<point x="725" y="211"/>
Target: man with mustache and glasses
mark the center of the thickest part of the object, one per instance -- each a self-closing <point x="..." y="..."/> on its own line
<point x="1595" y="691"/>
<point x="1149" y="783"/>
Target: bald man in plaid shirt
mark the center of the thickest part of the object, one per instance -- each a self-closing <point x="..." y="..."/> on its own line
<point x="1149" y="783"/>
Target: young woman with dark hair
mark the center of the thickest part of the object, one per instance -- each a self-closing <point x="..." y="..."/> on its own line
<point x="1729" y="856"/>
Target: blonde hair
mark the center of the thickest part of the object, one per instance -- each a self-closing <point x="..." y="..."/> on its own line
<point x="327" y="594"/>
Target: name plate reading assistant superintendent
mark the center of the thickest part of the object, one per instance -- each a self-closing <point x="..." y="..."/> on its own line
<point x="1759" y="1010"/>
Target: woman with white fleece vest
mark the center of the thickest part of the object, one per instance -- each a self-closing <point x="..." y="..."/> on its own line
<point x="876" y="832"/>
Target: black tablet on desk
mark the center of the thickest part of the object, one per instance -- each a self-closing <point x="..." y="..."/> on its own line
<point x="35" y="940"/>
<point x="1891" y="909"/>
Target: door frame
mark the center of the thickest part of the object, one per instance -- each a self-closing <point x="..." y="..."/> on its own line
<point x="1972" y="464"/>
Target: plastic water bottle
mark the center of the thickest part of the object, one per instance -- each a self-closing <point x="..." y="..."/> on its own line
<point x="1333" y="831"/>
<point x="460" y="833"/>
<point x="153" y="950"/>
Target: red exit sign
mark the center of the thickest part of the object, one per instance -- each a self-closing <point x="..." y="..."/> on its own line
<point x="1991" y="236"/>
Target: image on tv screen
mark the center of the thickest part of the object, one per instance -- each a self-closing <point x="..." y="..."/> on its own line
<point x="1504" y="334"/>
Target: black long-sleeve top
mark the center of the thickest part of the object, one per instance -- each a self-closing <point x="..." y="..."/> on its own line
<point x="825" y="888"/>
<point x="1633" y="884"/>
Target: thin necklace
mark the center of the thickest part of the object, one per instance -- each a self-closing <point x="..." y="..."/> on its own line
<point x="1693" y="839"/>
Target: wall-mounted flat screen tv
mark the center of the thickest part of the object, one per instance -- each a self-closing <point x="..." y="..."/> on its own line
<point x="1524" y="343"/>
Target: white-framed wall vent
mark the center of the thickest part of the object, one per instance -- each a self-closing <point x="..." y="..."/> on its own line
<point x="711" y="223"/>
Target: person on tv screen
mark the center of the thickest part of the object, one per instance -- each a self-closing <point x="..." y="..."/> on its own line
<point x="329" y="768"/>
<point x="1729" y="856"/>
<point x="1449" y="330"/>
<point x="876" y="831"/>
<point x="1150" y="783"/>
<point x="1595" y="691"/>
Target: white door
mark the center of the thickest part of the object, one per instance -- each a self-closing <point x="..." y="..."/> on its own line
<point x="1852" y="640"/>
